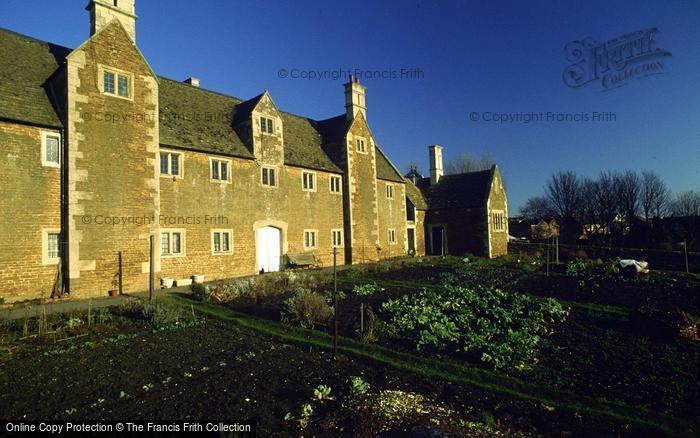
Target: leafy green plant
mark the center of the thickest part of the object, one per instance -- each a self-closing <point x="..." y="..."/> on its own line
<point x="2" y="300"/>
<point x="367" y="289"/>
<point x="358" y="385"/>
<point x="306" y="308"/>
<point x="323" y="393"/>
<point x="502" y="329"/>
<point x="328" y="295"/>
<point x="577" y="268"/>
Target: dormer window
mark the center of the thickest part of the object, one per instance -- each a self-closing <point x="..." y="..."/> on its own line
<point x="266" y="125"/>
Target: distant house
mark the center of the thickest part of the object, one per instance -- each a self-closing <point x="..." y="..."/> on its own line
<point x="464" y="213"/>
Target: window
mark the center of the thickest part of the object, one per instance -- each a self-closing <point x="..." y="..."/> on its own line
<point x="335" y="184"/>
<point x="50" y="252"/>
<point x="266" y="125"/>
<point x="109" y="82"/>
<point x="310" y="240"/>
<point x="410" y="211"/>
<point x="498" y="219"/>
<point x="220" y="170"/>
<point x="361" y="145"/>
<point x="269" y="176"/>
<point x="123" y="86"/>
<point x="337" y="238"/>
<point x="308" y="181"/>
<point x="50" y="149"/>
<point x="171" y="163"/>
<point x="221" y="242"/>
<point x="171" y="243"/>
<point x="115" y="82"/>
<point x="390" y="191"/>
<point x="391" y="236"/>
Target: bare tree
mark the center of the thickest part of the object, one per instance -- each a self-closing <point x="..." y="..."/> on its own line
<point x="606" y="198"/>
<point x="589" y="211"/>
<point x="563" y="191"/>
<point x="628" y="192"/>
<point x="537" y="207"/>
<point x="465" y="163"/>
<point x="686" y="204"/>
<point x="654" y="195"/>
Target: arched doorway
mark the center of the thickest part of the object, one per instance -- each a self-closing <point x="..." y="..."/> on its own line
<point x="268" y="244"/>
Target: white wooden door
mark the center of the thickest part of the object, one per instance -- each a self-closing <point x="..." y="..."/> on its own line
<point x="268" y="249"/>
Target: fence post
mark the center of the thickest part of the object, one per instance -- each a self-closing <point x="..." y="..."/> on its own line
<point x="121" y="288"/>
<point x="362" y="319"/>
<point x="335" y="304"/>
<point x="151" y="274"/>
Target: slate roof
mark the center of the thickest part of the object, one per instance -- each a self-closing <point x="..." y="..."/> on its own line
<point x="198" y="119"/>
<point x="464" y="190"/>
<point x="415" y="195"/>
<point x="386" y="170"/>
<point x="190" y="117"/>
<point x="25" y="66"/>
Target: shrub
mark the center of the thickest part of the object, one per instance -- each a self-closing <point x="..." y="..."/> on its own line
<point x="160" y="316"/>
<point x="200" y="292"/>
<point x="307" y="309"/>
<point x="2" y="300"/>
<point x="503" y="329"/>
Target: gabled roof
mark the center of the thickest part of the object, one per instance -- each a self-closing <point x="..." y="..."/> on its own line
<point x="25" y="66"/>
<point x="464" y="190"/>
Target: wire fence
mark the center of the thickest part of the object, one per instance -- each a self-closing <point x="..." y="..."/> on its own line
<point x="658" y="259"/>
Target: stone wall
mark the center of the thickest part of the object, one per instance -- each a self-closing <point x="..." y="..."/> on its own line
<point x="392" y="215"/>
<point x="242" y="205"/>
<point x="499" y="202"/>
<point x="112" y="165"/>
<point x="30" y="203"/>
<point x="362" y="194"/>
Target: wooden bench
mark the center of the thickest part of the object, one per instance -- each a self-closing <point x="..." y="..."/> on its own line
<point x="301" y="260"/>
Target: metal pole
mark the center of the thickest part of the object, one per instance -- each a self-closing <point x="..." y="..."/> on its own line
<point x="335" y="303"/>
<point x="121" y="288"/>
<point x="151" y="274"/>
<point x="685" y="247"/>
<point x="557" y="241"/>
<point x="548" y="257"/>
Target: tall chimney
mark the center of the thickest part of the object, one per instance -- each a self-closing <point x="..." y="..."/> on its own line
<point x="436" y="171"/>
<point x="354" y="98"/>
<point x="102" y="12"/>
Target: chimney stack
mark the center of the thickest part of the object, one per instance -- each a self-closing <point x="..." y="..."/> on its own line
<point x="436" y="171"/>
<point x="102" y="12"/>
<point x="192" y="81"/>
<point x="354" y="98"/>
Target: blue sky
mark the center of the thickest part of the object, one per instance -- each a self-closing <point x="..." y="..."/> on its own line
<point x="478" y="56"/>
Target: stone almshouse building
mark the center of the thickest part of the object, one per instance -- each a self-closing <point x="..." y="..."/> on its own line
<point x="99" y="153"/>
